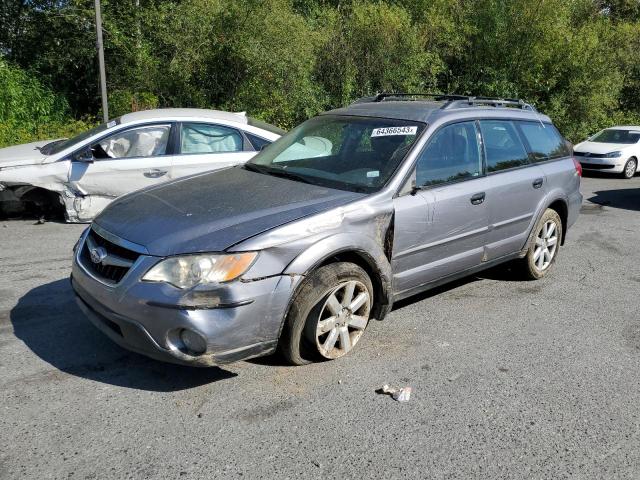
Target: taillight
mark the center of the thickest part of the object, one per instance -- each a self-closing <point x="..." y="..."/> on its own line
<point x="578" y="166"/>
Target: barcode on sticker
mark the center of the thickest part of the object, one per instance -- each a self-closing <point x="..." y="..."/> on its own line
<point x="383" y="132"/>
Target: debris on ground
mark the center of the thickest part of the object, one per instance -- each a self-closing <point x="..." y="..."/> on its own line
<point x="399" y="394"/>
<point x="41" y="221"/>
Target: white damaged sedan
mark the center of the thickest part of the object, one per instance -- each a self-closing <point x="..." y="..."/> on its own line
<point x="613" y="150"/>
<point x="82" y="175"/>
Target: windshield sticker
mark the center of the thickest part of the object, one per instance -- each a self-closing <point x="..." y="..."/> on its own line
<point x="112" y="123"/>
<point x="386" y="131"/>
<point x="373" y="174"/>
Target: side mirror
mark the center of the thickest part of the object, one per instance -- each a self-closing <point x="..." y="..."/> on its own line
<point x="85" y="155"/>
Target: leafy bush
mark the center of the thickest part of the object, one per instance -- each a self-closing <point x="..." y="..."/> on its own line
<point x="29" y="111"/>
<point x="285" y="60"/>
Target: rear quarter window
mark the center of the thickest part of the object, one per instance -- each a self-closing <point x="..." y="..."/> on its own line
<point x="545" y="142"/>
<point x="257" y="143"/>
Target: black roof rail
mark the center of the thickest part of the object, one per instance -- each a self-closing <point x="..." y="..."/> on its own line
<point x="452" y="100"/>
<point x="379" y="97"/>
<point x="490" y="102"/>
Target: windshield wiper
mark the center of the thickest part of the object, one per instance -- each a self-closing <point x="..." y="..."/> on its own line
<point x="277" y="172"/>
<point x="252" y="167"/>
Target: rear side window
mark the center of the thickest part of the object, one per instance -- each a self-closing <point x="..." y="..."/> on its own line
<point x="544" y="141"/>
<point x="204" y="138"/>
<point x="257" y="142"/>
<point x="452" y="155"/>
<point x="502" y="144"/>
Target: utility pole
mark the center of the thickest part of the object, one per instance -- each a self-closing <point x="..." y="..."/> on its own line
<point x="103" y="77"/>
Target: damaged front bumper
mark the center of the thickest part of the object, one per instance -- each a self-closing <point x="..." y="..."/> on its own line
<point x="240" y="320"/>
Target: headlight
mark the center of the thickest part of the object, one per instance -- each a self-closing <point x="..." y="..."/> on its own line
<point x="75" y="247"/>
<point x="191" y="270"/>
<point x="614" y="154"/>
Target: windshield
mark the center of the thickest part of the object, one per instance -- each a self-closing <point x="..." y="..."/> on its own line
<point x="349" y="153"/>
<point x="616" y="136"/>
<point x="60" y="145"/>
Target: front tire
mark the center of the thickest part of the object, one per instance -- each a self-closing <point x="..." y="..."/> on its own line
<point x="630" y="168"/>
<point x="328" y="314"/>
<point x="543" y="246"/>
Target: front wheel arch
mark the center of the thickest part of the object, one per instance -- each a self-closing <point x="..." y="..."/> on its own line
<point x="359" y="249"/>
<point x="381" y="293"/>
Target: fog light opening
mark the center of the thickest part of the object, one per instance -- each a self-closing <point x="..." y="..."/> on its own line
<point x="193" y="342"/>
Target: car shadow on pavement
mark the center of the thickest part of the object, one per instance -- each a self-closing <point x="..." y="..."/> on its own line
<point x="504" y="272"/>
<point x="625" y="198"/>
<point x="48" y="321"/>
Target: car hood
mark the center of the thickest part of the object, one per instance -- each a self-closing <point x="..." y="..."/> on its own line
<point x="27" y="154"/>
<point x="211" y="212"/>
<point x="600" y="148"/>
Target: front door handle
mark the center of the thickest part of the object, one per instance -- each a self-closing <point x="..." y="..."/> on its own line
<point x="155" y="173"/>
<point x="478" y="198"/>
<point x="537" y="183"/>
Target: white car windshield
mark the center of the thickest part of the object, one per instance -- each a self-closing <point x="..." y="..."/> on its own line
<point x="60" y="145"/>
<point x="617" y="136"/>
<point x="349" y="153"/>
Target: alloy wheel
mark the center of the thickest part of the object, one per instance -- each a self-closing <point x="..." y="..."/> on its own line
<point x="546" y="245"/>
<point x="630" y="168"/>
<point x="343" y="318"/>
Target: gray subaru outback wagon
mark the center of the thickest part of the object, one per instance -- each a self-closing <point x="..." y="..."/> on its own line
<point x="324" y="229"/>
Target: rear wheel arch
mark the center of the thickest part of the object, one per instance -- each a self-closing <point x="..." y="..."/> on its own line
<point x="561" y="207"/>
<point x="558" y="204"/>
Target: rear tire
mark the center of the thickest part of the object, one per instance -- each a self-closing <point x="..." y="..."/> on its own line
<point x="544" y="245"/>
<point x="328" y="314"/>
<point x="630" y="168"/>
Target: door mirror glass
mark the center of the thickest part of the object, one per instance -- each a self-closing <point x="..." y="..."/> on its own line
<point x="84" y="155"/>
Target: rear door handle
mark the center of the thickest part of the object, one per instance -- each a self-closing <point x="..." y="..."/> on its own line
<point x="537" y="183"/>
<point x="155" y="173"/>
<point x="478" y="198"/>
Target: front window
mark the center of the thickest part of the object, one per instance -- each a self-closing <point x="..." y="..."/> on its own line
<point x="616" y="136"/>
<point x="349" y="153"/>
<point x="453" y="154"/>
<point x="147" y="141"/>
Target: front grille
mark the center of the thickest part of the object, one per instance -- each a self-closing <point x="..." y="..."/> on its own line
<point x="590" y="155"/>
<point x="596" y="166"/>
<point x="114" y="266"/>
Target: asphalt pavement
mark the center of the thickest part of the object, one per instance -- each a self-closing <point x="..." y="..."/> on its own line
<point x="510" y="379"/>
